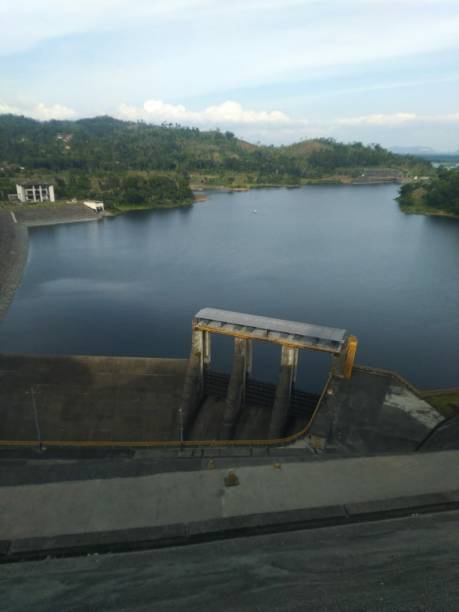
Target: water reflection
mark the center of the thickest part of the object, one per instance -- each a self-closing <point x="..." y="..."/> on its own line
<point x="339" y="256"/>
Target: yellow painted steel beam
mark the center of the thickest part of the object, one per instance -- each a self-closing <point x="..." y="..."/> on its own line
<point x="266" y="338"/>
<point x="351" y="350"/>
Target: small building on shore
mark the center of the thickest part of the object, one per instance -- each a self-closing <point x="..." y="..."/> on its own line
<point x="95" y="205"/>
<point x="35" y="192"/>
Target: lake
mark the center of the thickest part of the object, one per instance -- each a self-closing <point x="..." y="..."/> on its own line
<point x="342" y="256"/>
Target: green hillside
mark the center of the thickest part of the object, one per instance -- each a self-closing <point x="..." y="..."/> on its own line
<point x="133" y="162"/>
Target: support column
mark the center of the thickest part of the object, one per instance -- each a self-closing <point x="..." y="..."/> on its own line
<point x="200" y="347"/>
<point x="193" y="387"/>
<point x="242" y="365"/>
<point x="287" y="378"/>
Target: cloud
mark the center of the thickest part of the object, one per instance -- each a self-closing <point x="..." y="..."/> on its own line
<point x="56" y="111"/>
<point x="395" y="119"/>
<point x="377" y="119"/>
<point x="232" y="113"/>
<point x="448" y="118"/>
<point x="39" y="111"/>
<point x="7" y="109"/>
<point x="274" y="126"/>
<point x="226" y="113"/>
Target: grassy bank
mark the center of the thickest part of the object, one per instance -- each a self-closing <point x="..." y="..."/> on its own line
<point x="245" y="182"/>
<point x="445" y="401"/>
<point x="119" y="209"/>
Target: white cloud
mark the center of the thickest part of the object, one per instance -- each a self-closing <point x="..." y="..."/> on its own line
<point x="39" y="111"/>
<point x="395" y="119"/>
<point x="378" y="119"/>
<point x="449" y="118"/>
<point x="56" y="111"/>
<point x="226" y="113"/>
<point x="7" y="109"/>
<point x="232" y="113"/>
<point x="273" y="126"/>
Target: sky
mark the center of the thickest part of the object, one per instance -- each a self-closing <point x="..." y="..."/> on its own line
<point x="271" y="71"/>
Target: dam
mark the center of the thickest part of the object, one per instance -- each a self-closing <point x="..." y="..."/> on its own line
<point x="105" y="453"/>
<point x="122" y="402"/>
<point x="113" y="454"/>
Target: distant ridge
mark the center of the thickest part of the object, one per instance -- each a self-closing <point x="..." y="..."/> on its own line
<point x="136" y="162"/>
<point x="423" y="151"/>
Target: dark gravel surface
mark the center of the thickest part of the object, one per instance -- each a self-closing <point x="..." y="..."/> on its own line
<point x="398" y="565"/>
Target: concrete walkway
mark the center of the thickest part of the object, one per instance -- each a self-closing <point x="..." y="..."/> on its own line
<point x="89" y="506"/>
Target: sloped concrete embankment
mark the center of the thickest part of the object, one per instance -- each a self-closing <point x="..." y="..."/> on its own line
<point x="14" y="240"/>
<point x="13" y="256"/>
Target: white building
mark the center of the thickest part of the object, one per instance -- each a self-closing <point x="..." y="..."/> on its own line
<point x="35" y="192"/>
<point x="94" y="205"/>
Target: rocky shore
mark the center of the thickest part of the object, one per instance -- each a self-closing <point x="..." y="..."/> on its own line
<point x="14" y="240"/>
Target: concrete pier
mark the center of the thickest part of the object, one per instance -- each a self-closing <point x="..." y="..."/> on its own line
<point x="242" y="363"/>
<point x="287" y="376"/>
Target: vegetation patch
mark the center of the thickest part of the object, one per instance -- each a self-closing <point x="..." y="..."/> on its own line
<point x="447" y="402"/>
<point x="437" y="196"/>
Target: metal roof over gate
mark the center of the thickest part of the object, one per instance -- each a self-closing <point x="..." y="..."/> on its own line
<point x="253" y="327"/>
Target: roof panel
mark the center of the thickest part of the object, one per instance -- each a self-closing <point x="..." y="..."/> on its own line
<point x="327" y="338"/>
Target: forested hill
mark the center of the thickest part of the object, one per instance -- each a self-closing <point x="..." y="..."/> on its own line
<point x="104" y="143"/>
<point x="78" y="151"/>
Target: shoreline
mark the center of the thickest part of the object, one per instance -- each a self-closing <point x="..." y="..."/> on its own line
<point x="14" y="250"/>
<point x="327" y="181"/>
<point x="14" y="243"/>
<point x="429" y="212"/>
<point x="14" y="237"/>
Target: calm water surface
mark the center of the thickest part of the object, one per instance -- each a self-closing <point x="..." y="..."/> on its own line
<point x="339" y="256"/>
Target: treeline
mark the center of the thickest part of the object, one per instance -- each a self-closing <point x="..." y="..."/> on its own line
<point x="104" y="143"/>
<point x="136" y="188"/>
<point x="102" y="150"/>
<point x="140" y="189"/>
<point x="440" y="193"/>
